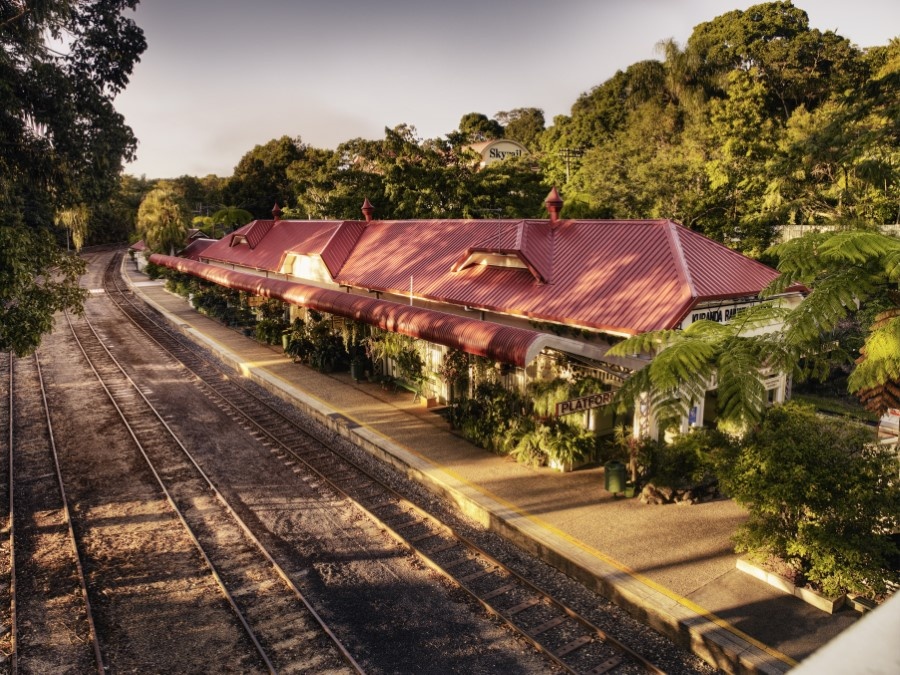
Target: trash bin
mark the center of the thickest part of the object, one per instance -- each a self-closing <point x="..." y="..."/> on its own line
<point x="614" y="476"/>
<point x="356" y="369"/>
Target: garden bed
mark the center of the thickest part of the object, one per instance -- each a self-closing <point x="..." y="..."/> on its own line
<point x="783" y="583"/>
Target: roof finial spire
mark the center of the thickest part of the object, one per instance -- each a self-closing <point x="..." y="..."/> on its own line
<point x="276" y="212"/>
<point x="554" y="204"/>
<point x="368" y="210"/>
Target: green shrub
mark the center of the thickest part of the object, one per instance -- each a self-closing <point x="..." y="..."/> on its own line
<point x="820" y="496"/>
<point x="155" y="271"/>
<point x="689" y="459"/>
<point x="531" y="446"/>
<point x="485" y="417"/>
<point x="181" y="284"/>
<point x="314" y="342"/>
<point x="269" y="331"/>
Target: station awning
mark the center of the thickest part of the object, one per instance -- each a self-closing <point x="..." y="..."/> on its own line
<point x="507" y="344"/>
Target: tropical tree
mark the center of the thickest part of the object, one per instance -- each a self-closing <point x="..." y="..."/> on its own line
<point x="840" y="162"/>
<point x="114" y="220"/>
<point x="740" y="137"/>
<point x="523" y="124"/>
<point x="260" y="179"/>
<point x="474" y="127"/>
<point x="230" y="218"/>
<point x="162" y="220"/>
<point x="797" y="65"/>
<point x="37" y="279"/>
<point x="63" y="145"/>
<point x="334" y="184"/>
<point x="75" y="220"/>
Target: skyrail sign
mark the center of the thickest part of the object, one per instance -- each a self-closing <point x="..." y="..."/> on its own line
<point x="500" y="150"/>
<point x="577" y="405"/>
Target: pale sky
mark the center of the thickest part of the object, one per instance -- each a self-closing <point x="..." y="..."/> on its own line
<point x="221" y="76"/>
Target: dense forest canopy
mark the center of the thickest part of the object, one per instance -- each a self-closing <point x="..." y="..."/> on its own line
<point x="756" y="122"/>
<point x="63" y="146"/>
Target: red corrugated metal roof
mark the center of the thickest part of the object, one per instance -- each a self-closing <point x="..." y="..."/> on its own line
<point x="300" y="236"/>
<point x="340" y="244"/>
<point x="193" y="250"/>
<point x="257" y="230"/>
<point x="619" y="276"/>
<point x="719" y="272"/>
<point x="529" y="241"/>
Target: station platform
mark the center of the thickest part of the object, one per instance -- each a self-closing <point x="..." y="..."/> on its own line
<point x="672" y="566"/>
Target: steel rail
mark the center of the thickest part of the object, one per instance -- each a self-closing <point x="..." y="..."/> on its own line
<point x="222" y="587"/>
<point x="393" y="529"/>
<point x="82" y="579"/>
<point x="279" y="570"/>
<point x="403" y="503"/>
<point x="14" y="650"/>
<point x="67" y="515"/>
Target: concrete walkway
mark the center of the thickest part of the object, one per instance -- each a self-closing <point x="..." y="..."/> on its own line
<point x="672" y="566"/>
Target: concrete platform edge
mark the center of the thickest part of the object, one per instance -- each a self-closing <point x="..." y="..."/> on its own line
<point x="691" y="627"/>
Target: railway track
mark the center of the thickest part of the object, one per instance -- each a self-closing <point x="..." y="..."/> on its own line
<point x="40" y="529"/>
<point x="286" y="632"/>
<point x="566" y="638"/>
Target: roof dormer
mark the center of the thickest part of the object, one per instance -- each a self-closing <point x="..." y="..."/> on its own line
<point x="252" y="234"/>
<point x="522" y="245"/>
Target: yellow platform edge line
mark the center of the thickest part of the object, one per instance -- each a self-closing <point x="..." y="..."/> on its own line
<point x="637" y="576"/>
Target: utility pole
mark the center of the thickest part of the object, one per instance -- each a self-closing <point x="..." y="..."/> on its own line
<point x="568" y="154"/>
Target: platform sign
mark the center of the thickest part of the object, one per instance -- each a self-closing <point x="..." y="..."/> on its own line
<point x="584" y="403"/>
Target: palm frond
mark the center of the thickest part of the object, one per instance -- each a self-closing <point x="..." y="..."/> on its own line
<point x="708" y="331"/>
<point x="636" y="383"/>
<point x="799" y="258"/>
<point x="684" y="360"/>
<point x="891" y="263"/>
<point x="757" y="317"/>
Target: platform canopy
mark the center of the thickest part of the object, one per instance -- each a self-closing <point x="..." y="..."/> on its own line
<point x="507" y="344"/>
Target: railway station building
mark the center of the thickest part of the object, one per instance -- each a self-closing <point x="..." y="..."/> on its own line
<point x="541" y="298"/>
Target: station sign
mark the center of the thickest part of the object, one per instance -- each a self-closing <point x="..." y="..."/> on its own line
<point x="718" y="313"/>
<point x="584" y="403"/>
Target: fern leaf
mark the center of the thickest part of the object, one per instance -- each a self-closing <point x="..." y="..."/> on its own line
<point x="858" y="247"/>
<point x="880" y="360"/>
<point x="645" y="343"/>
<point x="742" y="395"/>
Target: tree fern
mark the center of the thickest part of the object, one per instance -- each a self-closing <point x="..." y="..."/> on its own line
<point x="686" y="361"/>
<point x="876" y="378"/>
<point x="833" y="298"/>
<point x="844" y="270"/>
<point x="858" y="247"/>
